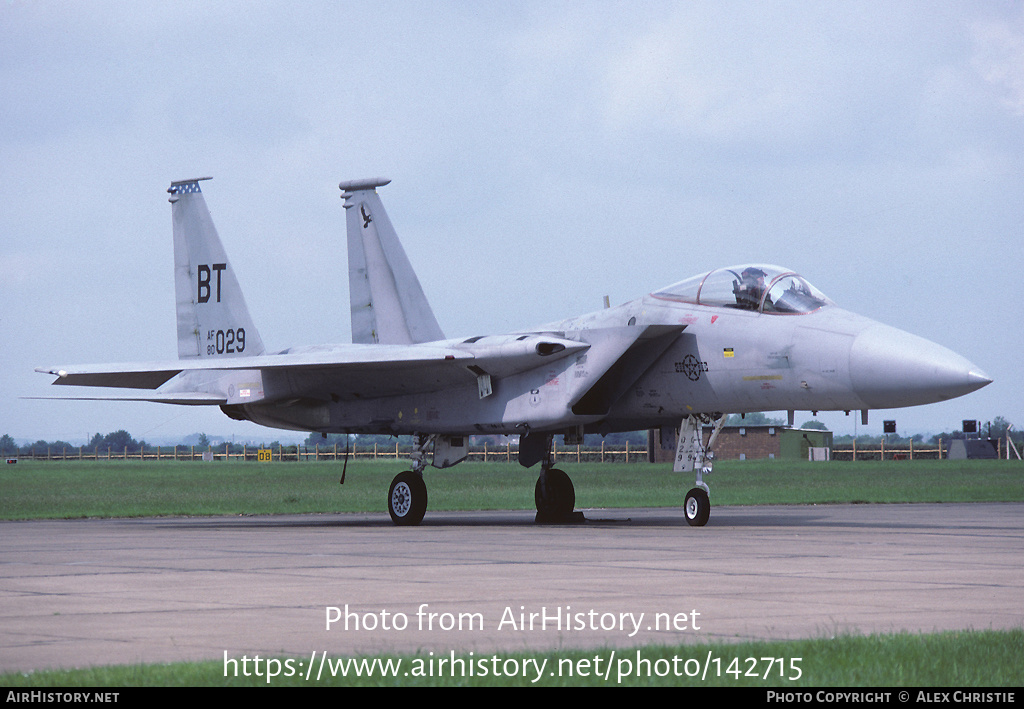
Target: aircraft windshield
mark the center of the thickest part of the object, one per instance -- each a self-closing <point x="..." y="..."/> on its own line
<point x="768" y="289"/>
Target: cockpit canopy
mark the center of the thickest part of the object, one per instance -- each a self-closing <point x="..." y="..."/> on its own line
<point x="757" y="287"/>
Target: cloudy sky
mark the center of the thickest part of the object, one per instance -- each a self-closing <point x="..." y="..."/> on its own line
<point x="543" y="155"/>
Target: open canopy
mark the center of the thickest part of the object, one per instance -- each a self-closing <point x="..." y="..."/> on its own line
<point x="758" y="287"/>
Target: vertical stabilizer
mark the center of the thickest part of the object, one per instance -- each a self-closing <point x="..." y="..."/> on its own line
<point x="212" y="318"/>
<point x="388" y="304"/>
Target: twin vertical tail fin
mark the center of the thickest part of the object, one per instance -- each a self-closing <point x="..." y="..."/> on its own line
<point x="388" y="303"/>
<point x="213" y="320"/>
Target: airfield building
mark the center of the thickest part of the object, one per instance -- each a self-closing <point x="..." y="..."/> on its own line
<point x="749" y="443"/>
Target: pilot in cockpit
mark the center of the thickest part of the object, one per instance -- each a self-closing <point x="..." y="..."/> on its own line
<point x="749" y="288"/>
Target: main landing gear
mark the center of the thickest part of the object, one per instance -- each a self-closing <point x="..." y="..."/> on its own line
<point x="555" y="497"/>
<point x="554" y="494"/>
<point x="407" y="496"/>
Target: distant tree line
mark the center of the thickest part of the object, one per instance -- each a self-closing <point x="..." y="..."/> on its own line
<point x="996" y="428"/>
<point x="120" y="441"/>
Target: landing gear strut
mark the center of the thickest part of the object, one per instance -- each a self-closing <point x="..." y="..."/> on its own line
<point x="407" y="496"/>
<point x="553" y="493"/>
<point x="692" y="454"/>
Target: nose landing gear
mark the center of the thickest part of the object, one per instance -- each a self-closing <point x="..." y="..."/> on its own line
<point x="692" y="454"/>
<point x="697" y="507"/>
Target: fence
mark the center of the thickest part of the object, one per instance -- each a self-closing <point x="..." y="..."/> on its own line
<point x="891" y="452"/>
<point x="508" y="452"/>
<point x="485" y="453"/>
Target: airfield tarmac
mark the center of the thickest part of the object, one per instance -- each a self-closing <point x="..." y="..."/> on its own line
<point x="99" y="591"/>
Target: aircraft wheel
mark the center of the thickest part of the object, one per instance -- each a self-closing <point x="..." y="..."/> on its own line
<point x="697" y="507"/>
<point x="407" y="499"/>
<point x="555" y="496"/>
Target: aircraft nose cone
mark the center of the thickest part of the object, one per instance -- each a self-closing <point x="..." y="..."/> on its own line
<point x="890" y="368"/>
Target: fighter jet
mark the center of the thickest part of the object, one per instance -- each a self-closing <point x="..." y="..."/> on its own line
<point x="733" y="340"/>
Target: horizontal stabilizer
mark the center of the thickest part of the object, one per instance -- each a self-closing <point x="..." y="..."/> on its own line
<point x="126" y="376"/>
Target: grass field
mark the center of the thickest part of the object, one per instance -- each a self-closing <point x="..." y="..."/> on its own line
<point x="953" y="659"/>
<point x="35" y="490"/>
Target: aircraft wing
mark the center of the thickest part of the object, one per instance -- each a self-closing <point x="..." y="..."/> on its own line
<point x="152" y="375"/>
<point x="340" y="372"/>
<point x="185" y="398"/>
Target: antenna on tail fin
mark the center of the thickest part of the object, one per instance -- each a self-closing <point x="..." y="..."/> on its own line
<point x="213" y="320"/>
<point x="388" y="303"/>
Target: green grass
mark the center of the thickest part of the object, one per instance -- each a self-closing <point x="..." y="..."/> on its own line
<point x="35" y="490"/>
<point x="960" y="659"/>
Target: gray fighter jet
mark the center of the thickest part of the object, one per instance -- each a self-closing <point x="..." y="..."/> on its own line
<point x="734" y="340"/>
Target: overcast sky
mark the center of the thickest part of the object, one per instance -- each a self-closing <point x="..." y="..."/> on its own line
<point x="543" y="155"/>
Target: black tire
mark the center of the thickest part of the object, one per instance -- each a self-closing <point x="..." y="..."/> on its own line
<point x="557" y="499"/>
<point x="407" y="499"/>
<point x="697" y="507"/>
